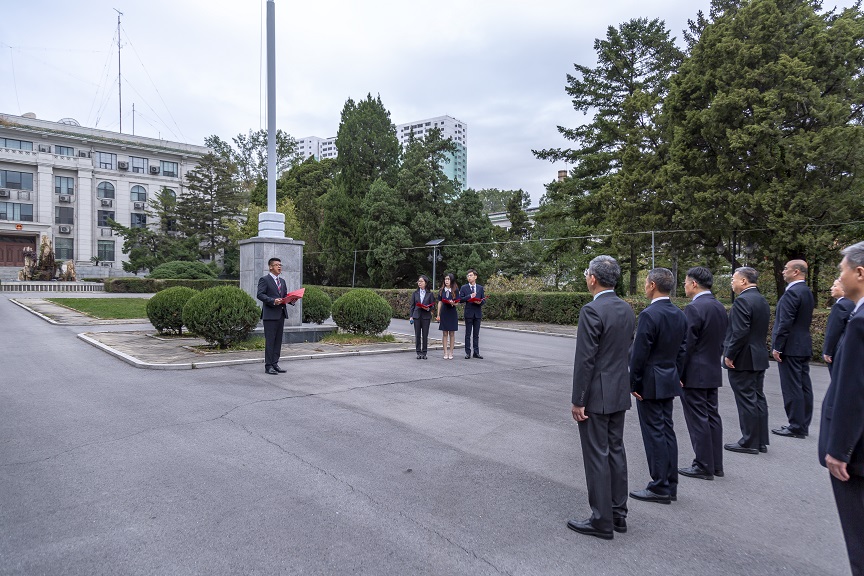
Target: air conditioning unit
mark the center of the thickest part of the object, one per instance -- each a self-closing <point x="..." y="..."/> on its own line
<point x="4" y="193"/>
<point x="138" y="205"/>
<point x="154" y="170"/>
<point x="65" y="198"/>
<point x="106" y="232"/>
<point x="65" y="229"/>
<point x="122" y="165"/>
<point x="83" y="154"/>
<point x="106" y="264"/>
<point x="44" y="148"/>
<point x="23" y="195"/>
<point x="107" y="202"/>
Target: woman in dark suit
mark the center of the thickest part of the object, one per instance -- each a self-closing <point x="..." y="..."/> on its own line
<point x="448" y="316"/>
<point x="421" y="317"/>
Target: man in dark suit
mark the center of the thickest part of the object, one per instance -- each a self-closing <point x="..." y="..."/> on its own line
<point x="703" y="375"/>
<point x="656" y="362"/>
<point x="271" y="291"/>
<point x="601" y="397"/>
<point x="841" y="434"/>
<point x="746" y="359"/>
<point x="792" y="347"/>
<point x="473" y="313"/>
<point x="836" y="323"/>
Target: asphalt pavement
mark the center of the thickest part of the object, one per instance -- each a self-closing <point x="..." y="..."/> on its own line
<point x="365" y="465"/>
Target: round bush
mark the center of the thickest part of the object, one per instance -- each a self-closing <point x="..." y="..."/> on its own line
<point x="180" y="269"/>
<point x="221" y="315"/>
<point x="316" y="305"/>
<point x="165" y="308"/>
<point x="362" y="312"/>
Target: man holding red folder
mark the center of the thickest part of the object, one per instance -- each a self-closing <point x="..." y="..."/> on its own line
<point x="474" y="297"/>
<point x="272" y="292"/>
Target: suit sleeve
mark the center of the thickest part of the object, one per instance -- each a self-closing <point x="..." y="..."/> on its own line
<point x="262" y="292"/>
<point x="588" y="333"/>
<point x="836" y="325"/>
<point x="413" y="304"/>
<point x="682" y="351"/>
<point x="740" y="318"/>
<point x="643" y="342"/>
<point x="783" y="318"/>
<point x="694" y="330"/>
<point x="847" y="425"/>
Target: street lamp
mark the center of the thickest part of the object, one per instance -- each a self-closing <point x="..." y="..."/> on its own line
<point x="435" y="257"/>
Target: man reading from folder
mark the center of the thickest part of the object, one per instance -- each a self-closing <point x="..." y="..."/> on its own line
<point x="272" y="293"/>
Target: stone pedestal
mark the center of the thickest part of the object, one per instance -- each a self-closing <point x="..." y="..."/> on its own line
<point x="254" y="254"/>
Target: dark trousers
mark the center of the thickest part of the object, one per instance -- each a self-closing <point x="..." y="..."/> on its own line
<point x="273" y="341"/>
<point x="747" y="385"/>
<point x="661" y="446"/>
<point x="849" y="497"/>
<point x="602" y="438"/>
<point x="705" y="427"/>
<point x="421" y="334"/>
<point x="797" y="392"/>
<point x="472" y="328"/>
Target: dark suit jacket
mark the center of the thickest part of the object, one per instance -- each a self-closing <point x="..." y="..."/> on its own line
<point x="791" y="334"/>
<point x="841" y="433"/>
<point x="267" y="293"/>
<point x="472" y="310"/>
<point x="600" y="380"/>
<point x="748" y="327"/>
<point x="836" y="325"/>
<point x="706" y="327"/>
<point x="416" y="311"/>
<point x="657" y="356"/>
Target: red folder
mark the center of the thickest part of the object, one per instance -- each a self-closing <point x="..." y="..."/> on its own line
<point x="423" y="306"/>
<point x="450" y="302"/>
<point x="292" y="297"/>
<point x="475" y="300"/>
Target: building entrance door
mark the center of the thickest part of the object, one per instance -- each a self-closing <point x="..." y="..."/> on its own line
<point x="12" y="249"/>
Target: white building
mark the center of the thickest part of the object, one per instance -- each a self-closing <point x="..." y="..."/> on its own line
<point x="64" y="181"/>
<point x="456" y="166"/>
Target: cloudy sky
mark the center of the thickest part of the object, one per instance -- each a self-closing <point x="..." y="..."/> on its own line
<point x="194" y="68"/>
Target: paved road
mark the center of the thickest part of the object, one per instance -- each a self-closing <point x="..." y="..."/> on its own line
<point x="371" y="465"/>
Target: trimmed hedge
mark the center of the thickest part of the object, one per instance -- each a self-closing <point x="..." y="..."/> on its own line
<point x="362" y="311"/>
<point x="150" y="285"/>
<point x="316" y="305"/>
<point x="165" y="309"/>
<point x="221" y="315"/>
<point x="180" y="269"/>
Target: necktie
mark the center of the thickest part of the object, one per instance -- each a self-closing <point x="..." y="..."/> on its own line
<point x="278" y="285"/>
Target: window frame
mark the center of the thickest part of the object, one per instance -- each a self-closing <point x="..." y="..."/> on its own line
<point x="133" y="192"/>
<point x="99" y="190"/>
<point x="68" y="219"/>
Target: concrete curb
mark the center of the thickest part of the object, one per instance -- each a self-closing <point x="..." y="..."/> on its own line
<point x="34" y="312"/>
<point x="505" y="329"/>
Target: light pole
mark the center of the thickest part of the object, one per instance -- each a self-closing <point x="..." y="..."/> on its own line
<point x="436" y="256"/>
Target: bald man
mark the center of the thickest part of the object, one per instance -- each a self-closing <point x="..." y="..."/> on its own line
<point x="792" y="348"/>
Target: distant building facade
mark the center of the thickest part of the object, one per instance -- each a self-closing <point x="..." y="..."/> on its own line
<point x="64" y="181"/>
<point x="456" y="166"/>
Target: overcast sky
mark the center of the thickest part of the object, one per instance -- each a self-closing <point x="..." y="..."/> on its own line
<point x="194" y="68"/>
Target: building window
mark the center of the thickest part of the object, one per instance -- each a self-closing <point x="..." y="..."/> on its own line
<point x="139" y="194"/>
<point x="15" y="211"/>
<point x="139" y="165"/>
<point x="64" y="185"/>
<point x="105" y="250"/>
<point x="104" y="217"/>
<point x="105" y="190"/>
<point x="64" y="215"/>
<point x="15" y="144"/>
<point x="16" y="180"/>
<point x="63" y="249"/>
<point x="64" y="150"/>
<point x="139" y="220"/>
<point x="169" y="169"/>
<point x="106" y="160"/>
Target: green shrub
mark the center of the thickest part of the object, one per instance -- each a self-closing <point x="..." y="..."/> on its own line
<point x="183" y="270"/>
<point x="165" y="308"/>
<point x="150" y="285"/>
<point x="316" y="305"/>
<point x="362" y="311"/>
<point x="222" y="315"/>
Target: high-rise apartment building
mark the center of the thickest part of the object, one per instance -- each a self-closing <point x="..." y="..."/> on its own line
<point x="64" y="181"/>
<point x="455" y="166"/>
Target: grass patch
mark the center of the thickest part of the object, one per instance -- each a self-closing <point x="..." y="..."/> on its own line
<point x="253" y="343"/>
<point x="106" y="308"/>
<point x="356" y="339"/>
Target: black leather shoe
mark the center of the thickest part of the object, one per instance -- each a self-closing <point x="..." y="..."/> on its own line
<point x="278" y="369"/>
<point x="424" y="356"/>
<point x="467" y="356"/>
<point x="696" y="472"/>
<point x="478" y="356"/>
<point x="763" y="448"/>
<point x="784" y="431"/>
<point x="619" y="525"/>
<point x="270" y="370"/>
<point x="648" y="496"/>
<point x="419" y="357"/>
<point x="673" y="498"/>
<point x="735" y="447"/>
<point x="586" y="527"/>
<point x="719" y="473"/>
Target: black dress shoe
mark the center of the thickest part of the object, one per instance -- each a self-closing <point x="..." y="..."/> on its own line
<point x="478" y="356"/>
<point x="719" y="473"/>
<point x="270" y="370"/>
<point x="696" y="472"/>
<point x="419" y="357"/>
<point x="278" y="369"/>
<point x="648" y="496"/>
<point x="784" y="431"/>
<point x="467" y="356"/>
<point x="763" y="448"/>
<point x="619" y="525"/>
<point x="424" y="357"/>
<point x="735" y="447"/>
<point x="586" y="527"/>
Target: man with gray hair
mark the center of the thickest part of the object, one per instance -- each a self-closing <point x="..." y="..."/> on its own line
<point x="601" y="397"/>
<point x="841" y="434"/>
<point x="656" y="363"/>
<point x="746" y="359"/>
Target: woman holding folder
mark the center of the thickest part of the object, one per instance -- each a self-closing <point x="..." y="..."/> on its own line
<point x="422" y="302"/>
<point x="448" y="316"/>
